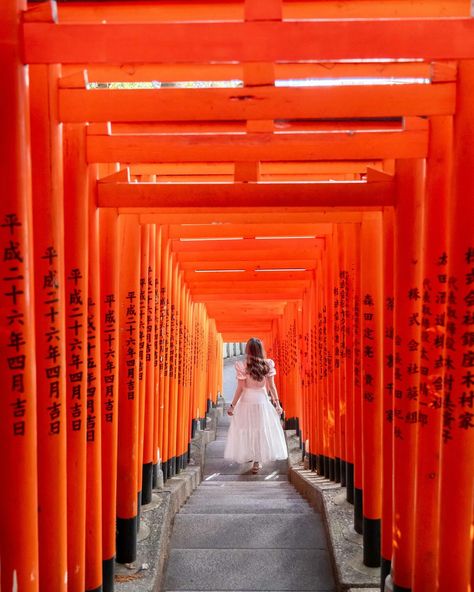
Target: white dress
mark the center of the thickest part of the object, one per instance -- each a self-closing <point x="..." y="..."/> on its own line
<point x="255" y="431"/>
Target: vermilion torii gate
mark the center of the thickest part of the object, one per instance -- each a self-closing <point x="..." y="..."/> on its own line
<point x="297" y="170"/>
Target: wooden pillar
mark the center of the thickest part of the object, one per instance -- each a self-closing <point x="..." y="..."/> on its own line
<point x="456" y="509"/>
<point x="142" y="368"/>
<point x="47" y="176"/>
<point x="76" y="222"/>
<point x="93" y="431"/>
<point x="164" y="348"/>
<point x="388" y="388"/>
<point x="127" y="456"/>
<point x="357" y="328"/>
<point x="19" y="540"/>
<point x="372" y="392"/>
<point x="408" y="296"/>
<point x="349" y="262"/>
<point x="109" y="312"/>
<point x="149" y="427"/>
<point x="336" y="354"/>
<point x="157" y="363"/>
<point x="435" y="363"/>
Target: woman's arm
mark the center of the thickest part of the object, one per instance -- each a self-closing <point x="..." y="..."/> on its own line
<point x="274" y="393"/>
<point x="237" y="394"/>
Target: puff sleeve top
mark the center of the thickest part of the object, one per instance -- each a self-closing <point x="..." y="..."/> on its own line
<point x="240" y="369"/>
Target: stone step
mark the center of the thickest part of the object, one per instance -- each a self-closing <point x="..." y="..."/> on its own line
<point x="243" y="495"/>
<point x="239" y="500"/>
<point x="254" y="531"/>
<point x="249" y="569"/>
<point x="216" y="477"/>
<point x="246" y="509"/>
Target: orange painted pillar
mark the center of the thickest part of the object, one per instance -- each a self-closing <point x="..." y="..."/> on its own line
<point x="173" y="344"/>
<point x="76" y="221"/>
<point x="408" y="298"/>
<point x="320" y="465"/>
<point x="388" y="389"/>
<point x="157" y="353"/>
<point x="143" y="303"/>
<point x="372" y="377"/>
<point x="19" y="540"/>
<point x="436" y="361"/>
<point x="149" y="427"/>
<point x="357" y="329"/>
<point x="128" y="412"/>
<point x="109" y="351"/>
<point x="164" y="379"/>
<point x="325" y="367"/>
<point x="456" y="507"/>
<point x="178" y="388"/>
<point x="336" y="353"/>
<point x="341" y="285"/>
<point x="349" y="264"/>
<point x="93" y="432"/>
<point x="47" y="167"/>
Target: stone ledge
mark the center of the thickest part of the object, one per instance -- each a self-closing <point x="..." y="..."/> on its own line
<point x="147" y="572"/>
<point x="345" y="545"/>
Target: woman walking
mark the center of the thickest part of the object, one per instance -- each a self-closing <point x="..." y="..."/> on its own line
<point x="255" y="432"/>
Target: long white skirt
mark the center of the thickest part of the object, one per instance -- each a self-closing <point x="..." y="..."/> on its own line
<point x="255" y="431"/>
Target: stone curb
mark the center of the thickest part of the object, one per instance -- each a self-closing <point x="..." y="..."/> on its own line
<point x="147" y="572"/>
<point x="345" y="545"/>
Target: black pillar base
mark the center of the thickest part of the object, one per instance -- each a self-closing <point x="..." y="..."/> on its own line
<point x="164" y="468"/>
<point x="154" y="481"/>
<point x="303" y="450"/>
<point x="337" y="470"/>
<point x="108" y="570"/>
<point x="139" y="509"/>
<point x="98" y="589"/>
<point x="147" y="483"/>
<point x="189" y="452"/>
<point x="320" y="464"/>
<point x="343" y="473"/>
<point x="385" y="567"/>
<point x="172" y="467"/>
<point x="358" y="505"/>
<point x="193" y="428"/>
<point x="371" y="534"/>
<point x="397" y="588"/>
<point x="332" y="469"/>
<point x="126" y="539"/>
<point x="326" y="466"/>
<point x="350" y="482"/>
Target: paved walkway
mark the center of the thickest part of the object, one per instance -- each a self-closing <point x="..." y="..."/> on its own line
<point x="245" y="532"/>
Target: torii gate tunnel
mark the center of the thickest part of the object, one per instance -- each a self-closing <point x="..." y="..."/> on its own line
<point x="176" y="175"/>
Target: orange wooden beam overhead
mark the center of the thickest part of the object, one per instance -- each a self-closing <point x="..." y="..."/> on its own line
<point x="243" y="215"/>
<point x="266" y="168"/>
<point x="259" y="147"/>
<point x="146" y="195"/>
<point x="265" y="41"/>
<point x="249" y="265"/>
<point x="290" y="294"/>
<point x="252" y="327"/>
<point x="213" y="247"/>
<point x="193" y="278"/>
<point x="79" y="105"/>
<point x="234" y="10"/>
<point x="251" y="229"/>
<point x="436" y="71"/>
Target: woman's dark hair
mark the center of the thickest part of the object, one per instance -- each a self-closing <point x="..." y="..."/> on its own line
<point x="257" y="366"/>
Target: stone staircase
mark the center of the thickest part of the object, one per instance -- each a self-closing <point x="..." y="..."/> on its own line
<point x="245" y="532"/>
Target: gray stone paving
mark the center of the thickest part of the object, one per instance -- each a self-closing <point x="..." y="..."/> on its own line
<point x="241" y="532"/>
